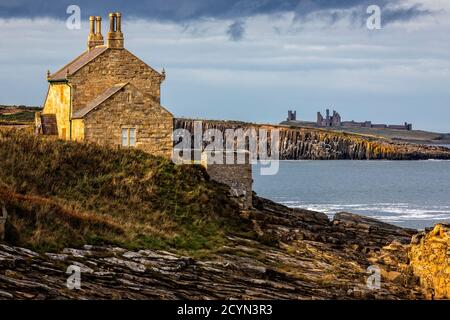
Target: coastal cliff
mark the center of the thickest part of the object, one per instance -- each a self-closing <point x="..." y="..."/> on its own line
<point x="296" y="143"/>
<point x="139" y="227"/>
<point x="316" y="144"/>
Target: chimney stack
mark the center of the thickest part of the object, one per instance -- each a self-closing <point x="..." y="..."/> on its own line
<point x="95" y="32"/>
<point x="118" y="22"/>
<point x="98" y="33"/>
<point x="91" y="37"/>
<point x="115" y="35"/>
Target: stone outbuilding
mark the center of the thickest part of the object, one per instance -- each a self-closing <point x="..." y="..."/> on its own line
<point x="108" y="96"/>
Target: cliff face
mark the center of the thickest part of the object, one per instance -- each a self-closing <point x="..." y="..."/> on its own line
<point x="316" y="144"/>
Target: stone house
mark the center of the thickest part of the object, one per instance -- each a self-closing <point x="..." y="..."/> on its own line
<point x="108" y="96"/>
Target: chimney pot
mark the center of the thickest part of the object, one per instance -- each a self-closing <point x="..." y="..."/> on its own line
<point x="91" y="21"/>
<point x="98" y="33"/>
<point x="95" y="33"/>
<point x="91" y="28"/>
<point x="115" y="35"/>
<point x="111" y="22"/>
<point x="99" y="25"/>
<point x="118" y="22"/>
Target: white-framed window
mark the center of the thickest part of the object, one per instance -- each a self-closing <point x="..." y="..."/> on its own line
<point x="132" y="137"/>
<point x="128" y="137"/>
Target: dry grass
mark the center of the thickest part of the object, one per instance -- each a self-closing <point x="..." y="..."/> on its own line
<point x="43" y="224"/>
<point x="93" y="190"/>
<point x="10" y="115"/>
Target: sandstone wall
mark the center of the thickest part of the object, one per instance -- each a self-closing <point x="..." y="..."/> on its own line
<point x="237" y="176"/>
<point x="58" y="103"/>
<point x="77" y="129"/>
<point x="112" y="67"/>
<point x="154" y="124"/>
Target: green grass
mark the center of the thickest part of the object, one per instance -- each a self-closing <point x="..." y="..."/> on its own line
<point x="21" y="115"/>
<point x="24" y="116"/>
<point x="63" y="194"/>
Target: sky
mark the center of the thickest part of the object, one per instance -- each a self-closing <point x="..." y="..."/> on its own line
<point x="253" y="60"/>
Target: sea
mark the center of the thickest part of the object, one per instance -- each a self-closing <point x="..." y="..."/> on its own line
<point x="412" y="194"/>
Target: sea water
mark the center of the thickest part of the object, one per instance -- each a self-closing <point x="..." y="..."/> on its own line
<point x="413" y="194"/>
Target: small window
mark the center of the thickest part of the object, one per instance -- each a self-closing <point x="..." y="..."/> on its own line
<point x="128" y="137"/>
<point x="124" y="137"/>
<point x="129" y="97"/>
<point x="132" y="137"/>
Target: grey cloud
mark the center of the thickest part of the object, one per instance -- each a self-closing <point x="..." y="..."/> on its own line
<point x="236" y="30"/>
<point x="182" y="11"/>
<point x="393" y="15"/>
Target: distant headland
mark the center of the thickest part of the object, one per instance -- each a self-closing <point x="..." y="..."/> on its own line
<point x="335" y="121"/>
<point x="395" y="132"/>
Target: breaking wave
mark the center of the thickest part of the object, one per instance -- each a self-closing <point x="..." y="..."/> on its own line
<point x="388" y="212"/>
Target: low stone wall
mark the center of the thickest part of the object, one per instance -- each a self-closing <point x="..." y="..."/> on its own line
<point x="237" y="176"/>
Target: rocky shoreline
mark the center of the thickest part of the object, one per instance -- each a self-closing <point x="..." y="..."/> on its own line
<point x="300" y="255"/>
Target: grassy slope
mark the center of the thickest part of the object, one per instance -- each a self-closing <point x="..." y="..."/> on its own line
<point x="67" y="194"/>
<point x="414" y="135"/>
<point x="17" y="115"/>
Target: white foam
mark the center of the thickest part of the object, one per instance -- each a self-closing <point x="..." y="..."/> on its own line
<point x="391" y="212"/>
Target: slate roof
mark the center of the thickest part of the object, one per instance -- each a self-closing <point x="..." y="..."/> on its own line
<point x="77" y="64"/>
<point x="108" y="93"/>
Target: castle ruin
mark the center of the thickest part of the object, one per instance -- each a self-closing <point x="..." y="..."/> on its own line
<point x="335" y="121"/>
<point x="329" y="121"/>
<point x="292" y="115"/>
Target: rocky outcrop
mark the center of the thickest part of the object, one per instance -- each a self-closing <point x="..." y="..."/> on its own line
<point x="317" y="144"/>
<point x="430" y="261"/>
<point x="246" y="270"/>
<point x="368" y="232"/>
<point x="298" y="254"/>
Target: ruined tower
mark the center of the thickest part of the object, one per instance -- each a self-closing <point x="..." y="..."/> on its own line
<point x="292" y="115"/>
